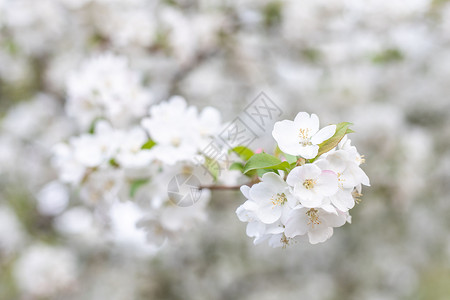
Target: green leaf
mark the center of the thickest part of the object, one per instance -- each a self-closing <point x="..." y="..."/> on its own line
<point x="341" y="130"/>
<point x="237" y="166"/>
<point x="213" y="167"/>
<point x="149" y="144"/>
<point x="243" y="152"/>
<point x="114" y="163"/>
<point x="265" y="161"/>
<point x="136" y="184"/>
<point x="289" y="158"/>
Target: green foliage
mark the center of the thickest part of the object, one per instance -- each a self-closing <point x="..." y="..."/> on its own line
<point x="272" y="13"/>
<point x="243" y="152"/>
<point x="213" y="167"/>
<point x="341" y="130"/>
<point x="289" y="158"/>
<point x="265" y="161"/>
<point x="388" y="56"/>
<point x="136" y="184"/>
<point x="149" y="144"/>
<point x="237" y="166"/>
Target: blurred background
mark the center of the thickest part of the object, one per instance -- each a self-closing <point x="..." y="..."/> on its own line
<point x="382" y="65"/>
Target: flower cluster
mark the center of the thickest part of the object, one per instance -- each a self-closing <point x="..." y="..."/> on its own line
<point x="309" y="194"/>
<point x="123" y="154"/>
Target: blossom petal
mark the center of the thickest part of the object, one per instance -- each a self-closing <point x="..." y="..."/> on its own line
<point x="261" y="193"/>
<point x="255" y="229"/>
<point x="343" y="200"/>
<point x="307" y="152"/>
<point x="245" y="189"/>
<point x="327" y="183"/>
<point x="286" y="135"/>
<point x="323" y="134"/>
<point x="320" y="234"/>
<point x="303" y="120"/>
<point x="269" y="213"/>
<point x="297" y="224"/>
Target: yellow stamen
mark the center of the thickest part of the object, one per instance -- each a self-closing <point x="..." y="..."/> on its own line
<point x="309" y="183"/>
<point x="313" y="215"/>
<point x="279" y="199"/>
<point x="304" y="136"/>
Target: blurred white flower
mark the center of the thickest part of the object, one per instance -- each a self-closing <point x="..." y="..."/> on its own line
<point x="53" y="198"/>
<point x="105" y="87"/>
<point x="44" y="271"/>
<point x="179" y="131"/>
<point x="12" y="236"/>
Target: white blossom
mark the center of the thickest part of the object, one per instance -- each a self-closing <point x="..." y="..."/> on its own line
<point x="301" y="136"/>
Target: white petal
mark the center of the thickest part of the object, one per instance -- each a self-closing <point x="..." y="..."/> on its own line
<point x="308" y="152"/>
<point x="312" y="201"/>
<point x="275" y="181"/>
<point x="261" y="193"/>
<point x="323" y="134"/>
<point x="334" y="221"/>
<point x="343" y="200"/>
<point x="297" y="224"/>
<point x="327" y="183"/>
<point x="295" y="176"/>
<point x="286" y="135"/>
<point x="245" y="189"/>
<point x="255" y="229"/>
<point x="320" y="234"/>
<point x="303" y="120"/>
<point x="269" y="214"/>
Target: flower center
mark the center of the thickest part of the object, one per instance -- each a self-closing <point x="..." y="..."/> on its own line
<point x="340" y="181"/>
<point x="313" y="215"/>
<point x="279" y="199"/>
<point x="304" y="137"/>
<point x="309" y="183"/>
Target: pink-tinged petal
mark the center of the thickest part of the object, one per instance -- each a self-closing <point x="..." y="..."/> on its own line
<point x="297" y="224"/>
<point x="259" y="150"/>
<point x="323" y="134"/>
<point x="245" y="189"/>
<point x="269" y="214"/>
<point x="320" y="234"/>
<point x="343" y="200"/>
<point x="309" y="151"/>
<point x="327" y="183"/>
<point x="304" y="121"/>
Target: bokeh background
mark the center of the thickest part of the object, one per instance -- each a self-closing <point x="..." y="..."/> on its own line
<point x="382" y="65"/>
